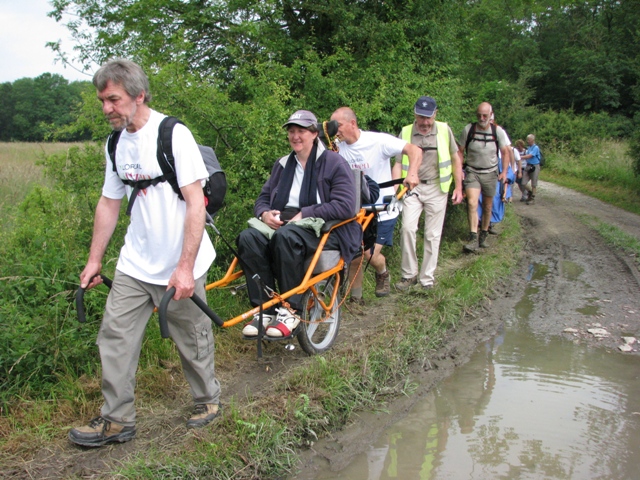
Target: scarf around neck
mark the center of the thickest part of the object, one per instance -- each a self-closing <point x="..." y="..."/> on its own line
<point x="309" y="189"/>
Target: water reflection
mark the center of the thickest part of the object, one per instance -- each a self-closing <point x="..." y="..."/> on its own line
<point x="523" y="407"/>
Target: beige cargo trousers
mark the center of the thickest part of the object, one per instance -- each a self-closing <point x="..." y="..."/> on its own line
<point x="129" y="306"/>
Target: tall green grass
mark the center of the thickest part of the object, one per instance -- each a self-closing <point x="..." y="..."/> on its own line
<point x="604" y="171"/>
<point x="21" y="167"/>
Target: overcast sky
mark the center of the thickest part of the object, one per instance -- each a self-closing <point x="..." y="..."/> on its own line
<point x="25" y="28"/>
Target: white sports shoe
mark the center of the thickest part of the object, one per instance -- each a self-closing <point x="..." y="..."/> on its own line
<point x="251" y="328"/>
<point x="284" y="325"/>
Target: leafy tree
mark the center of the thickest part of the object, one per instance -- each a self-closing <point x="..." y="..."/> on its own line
<point x="33" y="107"/>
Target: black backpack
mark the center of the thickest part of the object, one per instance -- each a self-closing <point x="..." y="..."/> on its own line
<point x="487" y="137"/>
<point x="215" y="187"/>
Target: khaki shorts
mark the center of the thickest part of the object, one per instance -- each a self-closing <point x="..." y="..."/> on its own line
<point x="531" y="176"/>
<point x="486" y="182"/>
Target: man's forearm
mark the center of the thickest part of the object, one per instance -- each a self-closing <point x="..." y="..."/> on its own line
<point x="193" y="226"/>
<point x="104" y="225"/>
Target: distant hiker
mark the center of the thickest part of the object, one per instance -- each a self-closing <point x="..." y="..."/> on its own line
<point x="441" y="165"/>
<point x="518" y="151"/>
<point x="530" y="174"/>
<point x="371" y="152"/>
<point x="307" y="184"/>
<point x="481" y="143"/>
<point x="165" y="246"/>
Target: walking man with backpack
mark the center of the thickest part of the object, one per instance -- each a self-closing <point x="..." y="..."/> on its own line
<point x="484" y="145"/>
<point x="165" y="246"/>
<point x="371" y="152"/>
<point x="531" y="172"/>
<point x="441" y="165"/>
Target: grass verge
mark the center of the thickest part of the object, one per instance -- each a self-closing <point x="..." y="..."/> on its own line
<point x="615" y="237"/>
<point x="603" y="172"/>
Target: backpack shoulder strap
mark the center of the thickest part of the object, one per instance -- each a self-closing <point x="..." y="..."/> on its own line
<point x="494" y="132"/>
<point x="165" y="153"/>
<point x="472" y="132"/>
<point x="112" y="143"/>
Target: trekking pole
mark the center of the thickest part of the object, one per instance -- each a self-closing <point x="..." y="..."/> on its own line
<point x="80" y="296"/>
<point x="202" y="305"/>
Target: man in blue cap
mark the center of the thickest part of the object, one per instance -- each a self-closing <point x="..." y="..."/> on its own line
<point x="441" y="165"/>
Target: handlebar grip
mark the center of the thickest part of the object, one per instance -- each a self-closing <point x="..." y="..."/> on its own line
<point x="208" y="312"/>
<point x="162" y="311"/>
<point x="80" y="305"/>
<point x="164" y="303"/>
<point x="80" y="297"/>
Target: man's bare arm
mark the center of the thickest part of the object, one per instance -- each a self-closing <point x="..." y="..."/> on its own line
<point x="182" y="277"/>
<point x="104" y="224"/>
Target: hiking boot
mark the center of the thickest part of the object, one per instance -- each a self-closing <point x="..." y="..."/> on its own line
<point x="523" y="198"/>
<point x="406" y="283"/>
<point x="493" y="230"/>
<point x="531" y="200"/>
<point x="383" y="284"/>
<point x="356" y="301"/>
<point x="482" y="240"/>
<point x="251" y="328"/>
<point x="355" y="305"/>
<point x="284" y="324"/>
<point x="472" y="245"/>
<point x="101" y="431"/>
<point x="203" y="414"/>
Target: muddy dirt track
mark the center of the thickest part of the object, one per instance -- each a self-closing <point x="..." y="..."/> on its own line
<point x="580" y="284"/>
<point x="575" y="281"/>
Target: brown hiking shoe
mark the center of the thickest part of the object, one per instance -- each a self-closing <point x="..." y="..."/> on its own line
<point x="101" y="431"/>
<point x="482" y="240"/>
<point x="472" y="246"/>
<point x="383" y="284"/>
<point x="356" y="305"/>
<point x="203" y="414"/>
<point x="406" y="283"/>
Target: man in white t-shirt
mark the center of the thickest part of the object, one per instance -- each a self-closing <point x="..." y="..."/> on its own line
<point x="165" y="246"/>
<point x="371" y="152"/>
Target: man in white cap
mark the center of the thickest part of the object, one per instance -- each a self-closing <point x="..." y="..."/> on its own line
<point x="371" y="152"/>
<point x="441" y="165"/>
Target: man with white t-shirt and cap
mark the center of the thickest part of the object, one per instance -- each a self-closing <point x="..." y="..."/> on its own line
<point x="371" y="152"/>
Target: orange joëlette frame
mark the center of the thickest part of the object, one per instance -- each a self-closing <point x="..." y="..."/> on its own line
<point x="308" y="282"/>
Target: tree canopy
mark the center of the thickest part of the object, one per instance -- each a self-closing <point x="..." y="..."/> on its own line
<point x="33" y="108"/>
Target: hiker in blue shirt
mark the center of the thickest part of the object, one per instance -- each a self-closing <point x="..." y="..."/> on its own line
<point x="531" y="172"/>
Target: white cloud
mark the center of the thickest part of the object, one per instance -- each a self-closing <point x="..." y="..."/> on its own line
<point x="25" y="29"/>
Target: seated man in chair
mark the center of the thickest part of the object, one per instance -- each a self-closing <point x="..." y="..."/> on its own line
<point x="310" y="182"/>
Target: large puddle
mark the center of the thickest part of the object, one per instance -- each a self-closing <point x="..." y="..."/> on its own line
<point x="523" y="407"/>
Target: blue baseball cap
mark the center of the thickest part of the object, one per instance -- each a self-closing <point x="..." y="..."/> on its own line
<point x="425" y="107"/>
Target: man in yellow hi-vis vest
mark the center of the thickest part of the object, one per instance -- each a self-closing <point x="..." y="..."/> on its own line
<point x="441" y="164"/>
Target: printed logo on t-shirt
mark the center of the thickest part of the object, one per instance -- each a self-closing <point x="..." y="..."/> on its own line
<point x="358" y="163"/>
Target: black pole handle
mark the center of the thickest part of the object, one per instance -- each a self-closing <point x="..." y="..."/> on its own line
<point x="80" y="297"/>
<point x="164" y="303"/>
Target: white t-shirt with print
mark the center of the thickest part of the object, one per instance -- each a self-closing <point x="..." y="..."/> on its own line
<point x="372" y="153"/>
<point x="153" y="242"/>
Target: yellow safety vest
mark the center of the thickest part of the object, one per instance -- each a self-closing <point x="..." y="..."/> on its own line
<point x="444" y="156"/>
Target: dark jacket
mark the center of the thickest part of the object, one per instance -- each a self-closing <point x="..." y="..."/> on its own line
<point x="337" y="192"/>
